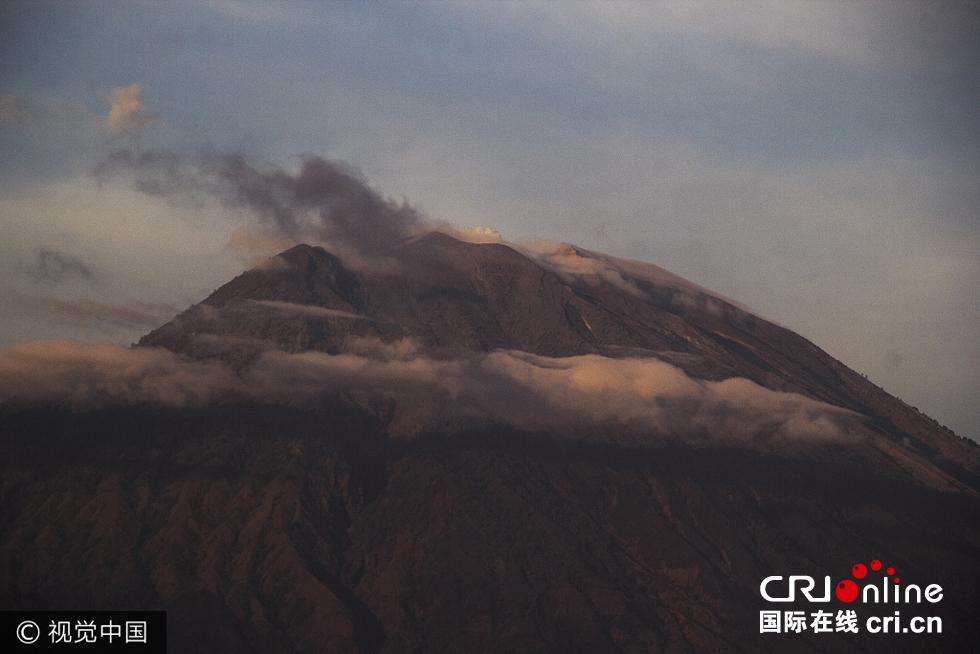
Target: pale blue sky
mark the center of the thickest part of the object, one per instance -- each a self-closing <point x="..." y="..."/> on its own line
<point x="815" y="161"/>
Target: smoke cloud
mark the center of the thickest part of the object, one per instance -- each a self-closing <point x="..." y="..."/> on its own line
<point x="53" y="266"/>
<point x="525" y="390"/>
<point x="322" y="202"/>
<point x="255" y="245"/>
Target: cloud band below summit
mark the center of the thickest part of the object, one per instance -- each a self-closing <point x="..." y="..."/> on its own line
<point x="525" y="390"/>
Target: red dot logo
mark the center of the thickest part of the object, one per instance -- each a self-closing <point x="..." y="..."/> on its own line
<point x="876" y="565"/>
<point x="890" y="571"/>
<point x="896" y="580"/>
<point x="859" y="570"/>
<point x="846" y="591"/>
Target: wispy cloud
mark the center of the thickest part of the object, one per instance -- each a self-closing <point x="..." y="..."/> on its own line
<point x="309" y="310"/>
<point x="54" y="266"/>
<point x="83" y="313"/>
<point x="537" y="392"/>
<point x="529" y="391"/>
<point x="127" y="113"/>
<point x="88" y="376"/>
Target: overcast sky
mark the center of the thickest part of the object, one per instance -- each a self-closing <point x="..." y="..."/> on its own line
<point x="818" y="162"/>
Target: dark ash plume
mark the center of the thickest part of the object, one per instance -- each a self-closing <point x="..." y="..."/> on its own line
<point x="324" y="201"/>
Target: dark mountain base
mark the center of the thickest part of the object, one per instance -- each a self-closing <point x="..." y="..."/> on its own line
<point x="268" y="529"/>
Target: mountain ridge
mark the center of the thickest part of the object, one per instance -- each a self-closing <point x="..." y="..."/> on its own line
<point x="679" y="322"/>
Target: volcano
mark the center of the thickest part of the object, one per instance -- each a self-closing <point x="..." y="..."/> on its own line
<point x="590" y="515"/>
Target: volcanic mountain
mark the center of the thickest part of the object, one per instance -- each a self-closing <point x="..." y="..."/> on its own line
<point x="591" y="506"/>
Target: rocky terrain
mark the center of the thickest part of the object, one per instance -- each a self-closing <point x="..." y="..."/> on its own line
<point x="382" y="519"/>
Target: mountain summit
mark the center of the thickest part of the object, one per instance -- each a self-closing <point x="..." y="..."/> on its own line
<point x="451" y="294"/>
<point x="451" y="297"/>
<point x="484" y="448"/>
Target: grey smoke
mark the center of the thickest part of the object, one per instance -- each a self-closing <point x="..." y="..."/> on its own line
<point x="323" y="201"/>
<point x="54" y="266"/>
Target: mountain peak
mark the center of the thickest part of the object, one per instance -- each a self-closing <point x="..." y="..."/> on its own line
<point x="446" y="294"/>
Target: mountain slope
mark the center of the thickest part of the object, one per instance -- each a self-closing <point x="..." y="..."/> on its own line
<point x="331" y="526"/>
<point x="454" y="296"/>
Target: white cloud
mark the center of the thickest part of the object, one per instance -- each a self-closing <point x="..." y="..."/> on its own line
<point x="642" y="396"/>
<point x="537" y="392"/>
